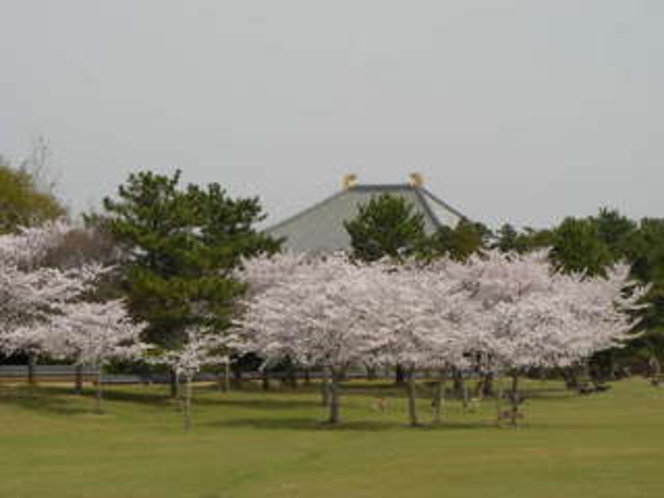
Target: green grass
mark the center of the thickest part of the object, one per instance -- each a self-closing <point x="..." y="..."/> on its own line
<point x="250" y="444"/>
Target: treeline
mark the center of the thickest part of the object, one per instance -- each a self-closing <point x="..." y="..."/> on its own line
<point x="175" y="248"/>
<point x="588" y="245"/>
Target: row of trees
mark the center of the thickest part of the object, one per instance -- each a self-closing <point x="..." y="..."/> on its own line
<point x="590" y="245"/>
<point x="163" y="264"/>
<point x="492" y="315"/>
<point x="153" y="272"/>
<point x="499" y="314"/>
<point x="63" y="314"/>
<point x="55" y="311"/>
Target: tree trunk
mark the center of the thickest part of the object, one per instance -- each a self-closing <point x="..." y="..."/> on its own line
<point x="186" y="402"/>
<point x="174" y="385"/>
<point x="32" y="369"/>
<point x="612" y="365"/>
<point x="265" y="378"/>
<point x="487" y="386"/>
<point x="514" y="400"/>
<point x="78" y="380"/>
<point x="655" y="368"/>
<point x="498" y="396"/>
<point x="460" y="389"/>
<point x="399" y="375"/>
<point x="292" y="376"/>
<point x="227" y="377"/>
<point x="237" y="377"/>
<point x="307" y="377"/>
<point x="585" y="373"/>
<point x="438" y="399"/>
<point x="412" y="398"/>
<point x="334" y="397"/>
<point x="371" y="373"/>
<point x="325" y="391"/>
<point x="98" y="391"/>
<point x="571" y="377"/>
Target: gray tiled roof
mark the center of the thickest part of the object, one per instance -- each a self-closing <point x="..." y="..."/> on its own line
<point x="320" y="228"/>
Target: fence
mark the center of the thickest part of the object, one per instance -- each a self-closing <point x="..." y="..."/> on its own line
<point x="65" y="373"/>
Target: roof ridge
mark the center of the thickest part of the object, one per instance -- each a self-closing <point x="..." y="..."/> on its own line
<point x="382" y="186"/>
<point x="330" y="198"/>
<point x="442" y="203"/>
<point x="427" y="209"/>
<point x="429" y="204"/>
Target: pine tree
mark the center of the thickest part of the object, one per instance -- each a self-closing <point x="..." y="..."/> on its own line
<point x="180" y="246"/>
<point x="386" y="226"/>
<point x="458" y="243"/>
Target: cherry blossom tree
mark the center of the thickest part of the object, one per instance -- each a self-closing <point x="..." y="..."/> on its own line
<point x="260" y="273"/>
<point x="421" y="320"/>
<point x="332" y="313"/>
<point x="526" y="315"/>
<point x="201" y="348"/>
<point x="497" y="313"/>
<point x="93" y="334"/>
<point x="30" y="245"/>
<point x="265" y="271"/>
<point x="31" y="294"/>
<point x="321" y="315"/>
<point x="30" y="299"/>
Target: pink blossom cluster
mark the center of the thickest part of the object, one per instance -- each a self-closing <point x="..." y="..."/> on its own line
<point x="44" y="311"/>
<point x="513" y="311"/>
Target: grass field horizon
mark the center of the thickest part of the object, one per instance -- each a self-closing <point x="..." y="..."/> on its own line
<point x="251" y="443"/>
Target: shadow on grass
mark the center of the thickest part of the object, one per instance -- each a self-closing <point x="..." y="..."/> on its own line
<point x="39" y="399"/>
<point x="62" y="399"/>
<point x="58" y="399"/>
<point x="309" y="424"/>
<point x="260" y="404"/>
<point x="145" y="398"/>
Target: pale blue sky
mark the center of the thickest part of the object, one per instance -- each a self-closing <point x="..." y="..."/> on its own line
<point x="521" y="111"/>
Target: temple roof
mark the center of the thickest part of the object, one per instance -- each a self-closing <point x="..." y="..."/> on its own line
<point x="320" y="228"/>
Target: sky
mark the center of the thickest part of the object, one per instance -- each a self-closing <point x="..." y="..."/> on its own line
<point x="520" y="111"/>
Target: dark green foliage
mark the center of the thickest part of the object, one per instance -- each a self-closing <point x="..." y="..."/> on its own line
<point x="508" y="239"/>
<point x="591" y="244"/>
<point x="645" y="251"/>
<point x="386" y="226"/>
<point x="537" y="239"/>
<point x="22" y="202"/>
<point x="577" y="247"/>
<point x="179" y="247"/>
<point x="458" y="243"/>
<point x="615" y="231"/>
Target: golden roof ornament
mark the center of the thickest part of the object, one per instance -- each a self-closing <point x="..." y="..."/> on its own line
<point x="349" y="181"/>
<point x="416" y="180"/>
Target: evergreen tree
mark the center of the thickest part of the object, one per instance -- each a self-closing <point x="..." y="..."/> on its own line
<point x="577" y="247"/>
<point x="645" y="250"/>
<point x="180" y="246"/>
<point x="615" y="230"/>
<point x="506" y="238"/>
<point x="458" y="243"/>
<point x="509" y="239"/>
<point x="387" y="225"/>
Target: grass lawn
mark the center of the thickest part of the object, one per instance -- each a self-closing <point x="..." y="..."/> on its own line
<point x="250" y="444"/>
